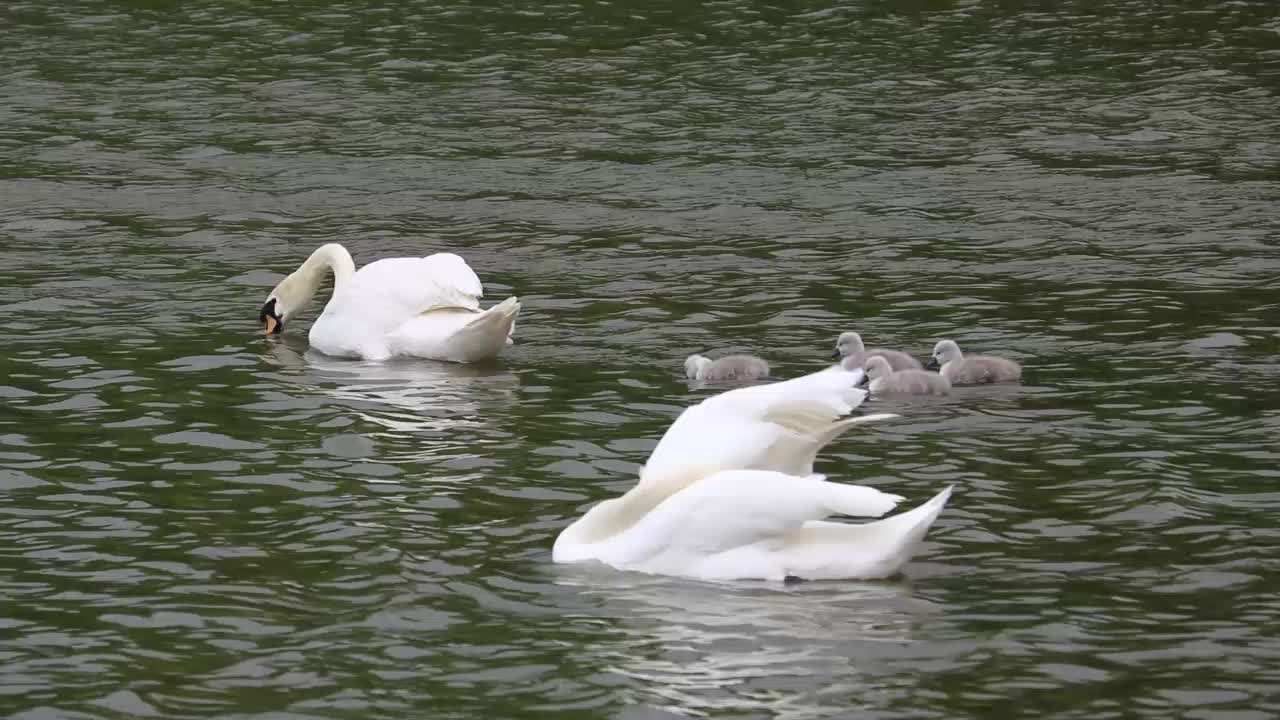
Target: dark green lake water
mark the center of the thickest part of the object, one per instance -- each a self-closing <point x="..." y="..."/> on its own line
<point x="197" y="522"/>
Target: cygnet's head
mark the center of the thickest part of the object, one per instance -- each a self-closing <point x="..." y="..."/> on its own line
<point x="877" y="367"/>
<point x="944" y="352"/>
<point x="849" y="343"/>
<point x="694" y="365"/>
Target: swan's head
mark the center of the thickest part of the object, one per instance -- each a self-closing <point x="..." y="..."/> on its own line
<point x="877" y="367"/>
<point x="849" y="343"/>
<point x="285" y="301"/>
<point x="944" y="352"/>
<point x="694" y="365"/>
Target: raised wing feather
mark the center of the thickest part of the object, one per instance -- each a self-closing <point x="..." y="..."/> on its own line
<point x="779" y="426"/>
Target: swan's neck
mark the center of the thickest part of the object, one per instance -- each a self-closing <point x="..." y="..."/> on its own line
<point x="332" y="258"/>
<point x="300" y="287"/>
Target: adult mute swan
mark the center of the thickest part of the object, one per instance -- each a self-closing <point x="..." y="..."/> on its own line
<point x="730" y="493"/>
<point x="425" y="307"/>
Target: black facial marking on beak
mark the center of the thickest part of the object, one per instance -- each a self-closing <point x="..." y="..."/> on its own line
<point x="270" y="319"/>
<point x="836" y="354"/>
<point x="865" y="381"/>
<point x="932" y="364"/>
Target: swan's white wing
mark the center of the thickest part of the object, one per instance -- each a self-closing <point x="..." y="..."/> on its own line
<point x="736" y="523"/>
<point x="452" y="283"/>
<point x="396" y="289"/>
<point x="780" y="426"/>
<point x="455" y="334"/>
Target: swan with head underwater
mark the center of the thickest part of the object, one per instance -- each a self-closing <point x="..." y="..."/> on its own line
<point x="729" y="493"/>
<point x="426" y="307"/>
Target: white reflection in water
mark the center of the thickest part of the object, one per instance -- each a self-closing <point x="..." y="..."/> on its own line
<point x="697" y="647"/>
<point x="406" y="395"/>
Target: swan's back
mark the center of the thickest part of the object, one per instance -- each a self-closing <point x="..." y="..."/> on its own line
<point x="401" y="288"/>
<point x="854" y="354"/>
<point x="897" y="360"/>
<point x="767" y="525"/>
<point x="980" y="370"/>
<point x="911" y="382"/>
<point x="691" y="532"/>
<point x="735" y="368"/>
<point x="455" y="283"/>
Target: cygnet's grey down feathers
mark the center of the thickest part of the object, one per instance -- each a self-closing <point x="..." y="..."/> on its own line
<point x="854" y="354"/>
<point x="731" y="368"/>
<point x="961" y="369"/>
<point x="884" y="379"/>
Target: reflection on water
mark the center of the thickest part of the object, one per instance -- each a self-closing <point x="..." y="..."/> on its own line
<point x="698" y="647"/>
<point x="427" y="395"/>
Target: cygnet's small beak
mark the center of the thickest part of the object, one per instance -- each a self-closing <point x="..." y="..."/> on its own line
<point x="865" y="381"/>
<point x="932" y="364"/>
<point x="836" y="354"/>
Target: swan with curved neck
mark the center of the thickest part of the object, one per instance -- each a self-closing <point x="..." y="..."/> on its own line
<point x="418" y="306"/>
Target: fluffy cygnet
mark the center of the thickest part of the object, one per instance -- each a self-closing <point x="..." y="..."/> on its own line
<point x="731" y="368"/>
<point x="849" y="347"/>
<point x="884" y="379"/>
<point x="962" y="369"/>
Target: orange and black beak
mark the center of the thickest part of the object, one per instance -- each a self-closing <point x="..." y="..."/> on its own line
<point x="270" y="319"/>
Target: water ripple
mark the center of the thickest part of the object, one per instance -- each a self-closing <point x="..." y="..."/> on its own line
<point x="203" y="522"/>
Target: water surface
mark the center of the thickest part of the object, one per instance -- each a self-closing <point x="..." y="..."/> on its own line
<point x="200" y="522"/>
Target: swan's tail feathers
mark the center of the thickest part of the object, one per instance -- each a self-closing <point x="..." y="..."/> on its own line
<point x="856" y="500"/>
<point x="486" y="335"/>
<point x="512" y="330"/>
<point x="904" y="532"/>
<point x="868" y="551"/>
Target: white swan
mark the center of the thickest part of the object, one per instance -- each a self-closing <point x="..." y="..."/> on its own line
<point x="730" y="493"/>
<point x="425" y="307"/>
